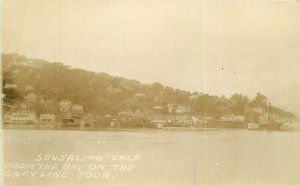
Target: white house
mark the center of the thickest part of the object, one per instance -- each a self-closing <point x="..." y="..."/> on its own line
<point x="77" y="108"/>
<point x="23" y="117"/>
<point x="65" y="105"/>
<point x="182" y="109"/>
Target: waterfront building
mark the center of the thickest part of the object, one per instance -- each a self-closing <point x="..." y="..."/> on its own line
<point x="23" y="117"/>
<point x="47" y="118"/>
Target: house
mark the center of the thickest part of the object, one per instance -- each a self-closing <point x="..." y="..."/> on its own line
<point x="129" y="119"/>
<point x="23" y="117"/>
<point x="89" y="120"/>
<point x="275" y="118"/>
<point x="264" y="119"/>
<point x="77" y="120"/>
<point x="161" y="120"/>
<point x="182" y="109"/>
<point x="232" y="118"/>
<point x="197" y="121"/>
<point x="114" y="123"/>
<point x="178" y="109"/>
<point x="159" y="123"/>
<point x="30" y="98"/>
<point x="129" y="113"/>
<point x="47" y="103"/>
<point x="77" y="108"/>
<point x="8" y="108"/>
<point x="65" y="105"/>
<point x="183" y="120"/>
<point x="47" y="118"/>
<point x="131" y="122"/>
<point x="159" y="108"/>
<point x="10" y="85"/>
<point x="171" y="108"/>
<point x="67" y="120"/>
<point x="139" y="95"/>
<point x="255" y="115"/>
<point x="24" y="106"/>
<point x="207" y="118"/>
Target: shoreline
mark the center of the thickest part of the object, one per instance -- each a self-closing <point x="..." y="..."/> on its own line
<point x="93" y="129"/>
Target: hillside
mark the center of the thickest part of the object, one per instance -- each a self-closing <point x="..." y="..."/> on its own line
<point x="101" y="93"/>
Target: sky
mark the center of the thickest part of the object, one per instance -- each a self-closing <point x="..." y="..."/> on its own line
<point x="217" y="47"/>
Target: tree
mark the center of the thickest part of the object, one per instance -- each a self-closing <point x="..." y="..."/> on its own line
<point x="260" y="101"/>
<point x="11" y="96"/>
<point x="238" y="103"/>
<point x="156" y="88"/>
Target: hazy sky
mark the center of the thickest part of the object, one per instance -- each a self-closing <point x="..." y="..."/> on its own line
<point x="221" y="47"/>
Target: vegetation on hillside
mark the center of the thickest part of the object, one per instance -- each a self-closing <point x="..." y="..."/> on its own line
<point x="101" y="93"/>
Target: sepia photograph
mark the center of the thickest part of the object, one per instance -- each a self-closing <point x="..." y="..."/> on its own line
<point x="150" y="93"/>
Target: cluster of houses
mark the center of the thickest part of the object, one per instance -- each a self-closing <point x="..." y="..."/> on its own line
<point x="71" y="114"/>
<point x="25" y="113"/>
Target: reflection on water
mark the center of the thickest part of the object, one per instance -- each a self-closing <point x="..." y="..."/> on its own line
<point x="167" y="157"/>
